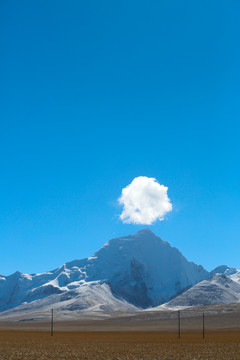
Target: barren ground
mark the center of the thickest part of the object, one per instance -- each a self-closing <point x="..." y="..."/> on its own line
<point x="39" y="345"/>
<point x="148" y="336"/>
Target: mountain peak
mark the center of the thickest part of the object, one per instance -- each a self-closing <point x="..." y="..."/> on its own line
<point x="145" y="232"/>
<point x="142" y="235"/>
<point x="224" y="269"/>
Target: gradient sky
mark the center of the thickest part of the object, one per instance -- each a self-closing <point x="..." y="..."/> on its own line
<point x="96" y="93"/>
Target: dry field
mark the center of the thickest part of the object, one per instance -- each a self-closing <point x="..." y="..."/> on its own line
<point x="39" y="345"/>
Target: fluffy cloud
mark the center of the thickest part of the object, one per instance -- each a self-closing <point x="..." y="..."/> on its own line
<point x="144" y="201"/>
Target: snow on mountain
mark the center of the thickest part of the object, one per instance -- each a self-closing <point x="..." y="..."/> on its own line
<point x="140" y="269"/>
<point x="146" y="270"/>
<point x="219" y="289"/>
<point x="89" y="298"/>
<point x="235" y="276"/>
<point x="224" y="269"/>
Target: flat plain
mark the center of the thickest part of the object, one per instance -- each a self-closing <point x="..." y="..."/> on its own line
<point x="148" y="336"/>
<point x="39" y="345"/>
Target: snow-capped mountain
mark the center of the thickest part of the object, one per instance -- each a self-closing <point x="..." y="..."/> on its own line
<point x="139" y="270"/>
<point x="92" y="300"/>
<point x="224" y="269"/>
<point x="219" y="289"/>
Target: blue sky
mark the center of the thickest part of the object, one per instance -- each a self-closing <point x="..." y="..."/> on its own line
<point x="94" y="94"/>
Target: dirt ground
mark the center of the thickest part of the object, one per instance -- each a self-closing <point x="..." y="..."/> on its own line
<point x="119" y="345"/>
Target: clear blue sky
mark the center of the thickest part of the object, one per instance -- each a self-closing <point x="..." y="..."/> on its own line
<point x="95" y="93"/>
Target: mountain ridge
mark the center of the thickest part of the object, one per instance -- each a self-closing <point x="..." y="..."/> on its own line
<point x="134" y="271"/>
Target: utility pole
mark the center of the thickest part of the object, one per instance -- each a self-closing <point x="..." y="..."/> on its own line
<point x="203" y="323"/>
<point x="179" y="324"/>
<point x="52" y="322"/>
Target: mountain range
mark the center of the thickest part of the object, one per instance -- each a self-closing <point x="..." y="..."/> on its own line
<point x="127" y="274"/>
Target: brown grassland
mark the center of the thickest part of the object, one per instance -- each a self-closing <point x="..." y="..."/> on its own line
<point x="146" y="336"/>
<point x="148" y="345"/>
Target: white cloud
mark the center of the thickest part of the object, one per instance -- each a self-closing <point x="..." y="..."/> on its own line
<point x="144" y="201"/>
